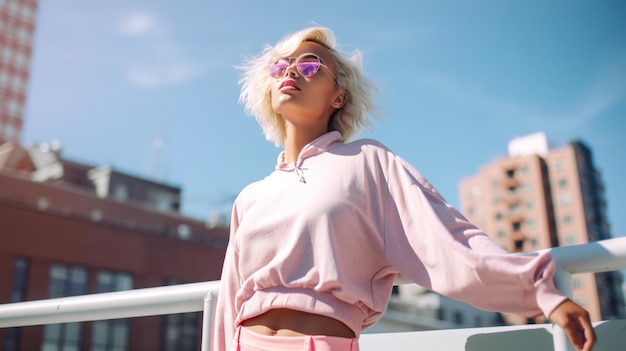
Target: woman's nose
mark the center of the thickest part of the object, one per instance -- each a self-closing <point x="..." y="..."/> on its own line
<point x="292" y="70"/>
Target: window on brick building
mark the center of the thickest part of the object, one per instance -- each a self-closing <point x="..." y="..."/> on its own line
<point x="113" y="334"/>
<point x="180" y="331"/>
<point x="65" y="281"/>
<point x="18" y="292"/>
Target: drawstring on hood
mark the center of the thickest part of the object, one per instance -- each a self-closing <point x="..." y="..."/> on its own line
<point x="313" y="148"/>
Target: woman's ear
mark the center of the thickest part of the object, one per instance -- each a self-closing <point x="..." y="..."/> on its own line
<point x="340" y="99"/>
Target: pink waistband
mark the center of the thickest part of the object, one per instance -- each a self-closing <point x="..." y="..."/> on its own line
<point x="247" y="340"/>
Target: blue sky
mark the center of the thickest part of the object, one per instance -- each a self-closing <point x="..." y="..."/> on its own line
<point x="150" y="86"/>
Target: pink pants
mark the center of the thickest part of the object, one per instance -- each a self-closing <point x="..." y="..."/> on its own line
<point x="246" y="340"/>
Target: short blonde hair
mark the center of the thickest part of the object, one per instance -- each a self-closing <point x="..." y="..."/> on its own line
<point x="256" y="84"/>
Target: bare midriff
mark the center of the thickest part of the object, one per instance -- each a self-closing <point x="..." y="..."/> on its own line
<point x="287" y="322"/>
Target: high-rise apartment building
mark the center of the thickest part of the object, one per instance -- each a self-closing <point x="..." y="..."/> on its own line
<point x="540" y="197"/>
<point x="17" y="28"/>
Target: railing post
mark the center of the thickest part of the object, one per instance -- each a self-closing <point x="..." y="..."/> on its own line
<point x="563" y="281"/>
<point x="208" y="318"/>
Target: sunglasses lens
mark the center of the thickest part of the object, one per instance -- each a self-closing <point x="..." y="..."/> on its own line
<point x="308" y="69"/>
<point x="278" y="69"/>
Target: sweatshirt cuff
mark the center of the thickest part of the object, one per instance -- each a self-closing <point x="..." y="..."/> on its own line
<point x="549" y="297"/>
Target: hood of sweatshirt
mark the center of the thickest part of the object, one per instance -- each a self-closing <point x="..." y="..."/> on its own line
<point x="315" y="147"/>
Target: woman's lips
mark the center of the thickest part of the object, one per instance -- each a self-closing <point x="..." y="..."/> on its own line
<point x="288" y="84"/>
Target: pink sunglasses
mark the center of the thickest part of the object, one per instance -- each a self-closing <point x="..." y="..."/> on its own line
<point x="307" y="65"/>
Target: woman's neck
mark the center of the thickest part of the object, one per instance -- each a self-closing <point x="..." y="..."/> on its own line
<point x="296" y="139"/>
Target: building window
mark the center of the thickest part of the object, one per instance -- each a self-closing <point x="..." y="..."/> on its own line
<point x="510" y="173"/>
<point x="524" y="169"/>
<point x="501" y="233"/>
<point x="527" y="187"/>
<point x="65" y="281"/>
<point x="498" y="216"/>
<point x="577" y="283"/>
<point x="441" y="314"/>
<point x="180" y="331"/>
<point x="121" y="192"/>
<point x="565" y="200"/>
<point x="516" y="226"/>
<point x="533" y="243"/>
<point x="570" y="239"/>
<point x="475" y="191"/>
<point x="530" y="223"/>
<point x="512" y="191"/>
<point x="108" y="281"/>
<point x="562" y="183"/>
<point x="495" y="183"/>
<point x="559" y="165"/>
<point x="529" y="206"/>
<point x="20" y="280"/>
<point x="458" y="317"/>
<point x="62" y="337"/>
<point x="18" y="291"/>
<point x="519" y="245"/>
<point x="514" y="208"/>
<point x="567" y="220"/>
<point x="111" y="334"/>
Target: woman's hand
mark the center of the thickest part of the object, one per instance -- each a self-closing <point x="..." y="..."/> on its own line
<point x="575" y="321"/>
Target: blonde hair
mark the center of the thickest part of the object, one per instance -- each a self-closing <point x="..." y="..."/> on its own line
<point x="256" y="83"/>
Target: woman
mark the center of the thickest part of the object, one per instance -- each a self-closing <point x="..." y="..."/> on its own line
<point x="316" y="246"/>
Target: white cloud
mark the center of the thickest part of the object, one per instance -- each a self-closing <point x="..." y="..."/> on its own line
<point x="161" y="62"/>
<point x="138" y="24"/>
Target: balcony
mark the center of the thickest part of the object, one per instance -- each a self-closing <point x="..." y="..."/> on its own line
<point x="601" y="256"/>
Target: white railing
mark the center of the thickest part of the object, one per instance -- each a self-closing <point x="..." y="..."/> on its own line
<point x="601" y="256"/>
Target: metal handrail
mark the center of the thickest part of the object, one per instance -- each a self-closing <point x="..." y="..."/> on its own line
<point x="111" y="305"/>
<point x="601" y="256"/>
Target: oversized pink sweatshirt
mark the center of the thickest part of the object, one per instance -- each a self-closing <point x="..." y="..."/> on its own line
<point x="331" y="233"/>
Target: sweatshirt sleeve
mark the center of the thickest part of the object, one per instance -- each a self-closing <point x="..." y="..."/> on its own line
<point x="226" y="310"/>
<point x="432" y="244"/>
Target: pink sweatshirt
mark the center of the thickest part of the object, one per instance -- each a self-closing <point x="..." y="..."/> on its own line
<point x="331" y="233"/>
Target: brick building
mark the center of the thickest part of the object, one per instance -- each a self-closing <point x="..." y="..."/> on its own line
<point x="67" y="228"/>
